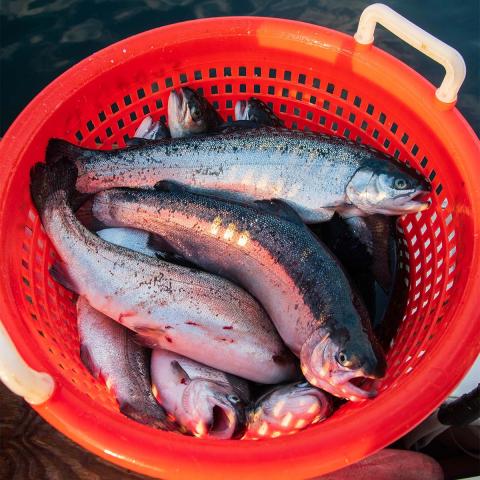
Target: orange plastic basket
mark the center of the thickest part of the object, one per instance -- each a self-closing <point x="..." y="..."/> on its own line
<point x="315" y="78"/>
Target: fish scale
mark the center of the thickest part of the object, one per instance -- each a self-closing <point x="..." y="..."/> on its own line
<point x="169" y="306"/>
<point x="310" y="171"/>
<point x="267" y="250"/>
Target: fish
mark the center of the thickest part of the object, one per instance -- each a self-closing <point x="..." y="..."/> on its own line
<point x="190" y="312"/>
<point x="131" y="238"/>
<point x="267" y="250"/>
<point x="205" y="401"/>
<point x="142" y="242"/>
<point x="315" y="174"/>
<point x="151" y="130"/>
<point x="254" y="110"/>
<point x="189" y="113"/>
<point x="287" y="409"/>
<point x="366" y="247"/>
<point x="108" y="351"/>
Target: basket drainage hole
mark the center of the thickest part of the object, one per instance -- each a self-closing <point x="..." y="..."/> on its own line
<point x="40" y="332"/>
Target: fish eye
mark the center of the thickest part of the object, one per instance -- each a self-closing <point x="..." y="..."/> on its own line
<point x="233" y="399"/>
<point x="347" y="361"/>
<point x="195" y="113"/>
<point x="342" y="359"/>
<point x="400" y="183"/>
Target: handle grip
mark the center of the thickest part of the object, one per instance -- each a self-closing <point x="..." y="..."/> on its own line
<point x="455" y="69"/>
<point x="35" y="387"/>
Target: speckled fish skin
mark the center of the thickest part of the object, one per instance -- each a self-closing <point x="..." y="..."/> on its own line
<point x="109" y="351"/>
<point x="315" y="174"/>
<point x="278" y="260"/>
<point x="206" y="401"/>
<point x="194" y="313"/>
<point x="286" y="409"/>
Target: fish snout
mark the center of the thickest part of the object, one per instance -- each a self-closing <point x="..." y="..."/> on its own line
<point x="374" y="368"/>
<point x="227" y="421"/>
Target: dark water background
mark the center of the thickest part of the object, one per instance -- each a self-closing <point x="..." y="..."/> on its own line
<point x="40" y="39"/>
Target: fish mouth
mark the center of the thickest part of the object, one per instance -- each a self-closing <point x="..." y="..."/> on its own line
<point x="177" y="103"/>
<point x="415" y="201"/>
<point x="223" y="422"/>
<point x="241" y="110"/>
<point x="349" y="386"/>
<point x="323" y="371"/>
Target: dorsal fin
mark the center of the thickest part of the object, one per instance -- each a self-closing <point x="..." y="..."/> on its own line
<point x="181" y="374"/>
<point x="170" y="186"/>
<point x="280" y="209"/>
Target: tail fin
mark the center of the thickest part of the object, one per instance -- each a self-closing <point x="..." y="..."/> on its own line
<point x="149" y="413"/>
<point x="58" y="149"/>
<point x="47" y="180"/>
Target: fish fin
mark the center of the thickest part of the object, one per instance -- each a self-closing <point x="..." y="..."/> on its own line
<point x="159" y="244"/>
<point x="165" y="251"/>
<point x="176" y="259"/>
<point x="58" y="149"/>
<point x="138" y="141"/>
<point x="88" y="362"/>
<point x="181" y="374"/>
<point x="48" y="180"/>
<point x="60" y="274"/>
<point x="145" y="341"/>
<point x="280" y="209"/>
<point x="148" y="413"/>
<point x="238" y="124"/>
<point x="86" y="217"/>
<point x="170" y="186"/>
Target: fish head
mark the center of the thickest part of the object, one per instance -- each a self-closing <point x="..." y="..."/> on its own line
<point x="190" y="113"/>
<point x="342" y="364"/>
<point x="383" y="187"/>
<point x="288" y="408"/>
<point x="257" y="111"/>
<point x="214" y="410"/>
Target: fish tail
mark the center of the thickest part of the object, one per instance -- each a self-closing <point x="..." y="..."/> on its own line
<point x="58" y="149"/>
<point x="47" y="181"/>
<point x="152" y="415"/>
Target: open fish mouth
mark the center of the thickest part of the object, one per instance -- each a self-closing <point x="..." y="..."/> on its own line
<point x="415" y="201"/>
<point x="240" y="110"/>
<point x="178" y="103"/>
<point x="221" y="424"/>
<point x="326" y="373"/>
<point x="343" y="386"/>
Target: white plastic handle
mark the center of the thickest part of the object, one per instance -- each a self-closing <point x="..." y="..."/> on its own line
<point x="455" y="69"/>
<point x="35" y="387"/>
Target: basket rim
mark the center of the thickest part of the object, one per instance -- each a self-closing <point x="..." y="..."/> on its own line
<point x="301" y="453"/>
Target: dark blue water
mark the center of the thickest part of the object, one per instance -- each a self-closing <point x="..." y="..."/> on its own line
<point x="42" y="38"/>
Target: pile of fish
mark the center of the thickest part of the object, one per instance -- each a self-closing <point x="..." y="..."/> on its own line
<point x="206" y="304"/>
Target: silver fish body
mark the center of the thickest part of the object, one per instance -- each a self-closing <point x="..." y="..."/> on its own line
<point x="131" y="238"/>
<point x="286" y="409"/>
<point x="193" y="313"/>
<point x="315" y="174"/>
<point x="206" y="401"/>
<point x="272" y="254"/>
<point x="109" y="351"/>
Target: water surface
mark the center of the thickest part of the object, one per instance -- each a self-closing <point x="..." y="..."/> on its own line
<point x="40" y="39"/>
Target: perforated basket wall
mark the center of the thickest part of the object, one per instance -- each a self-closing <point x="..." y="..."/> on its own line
<point x="314" y="79"/>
